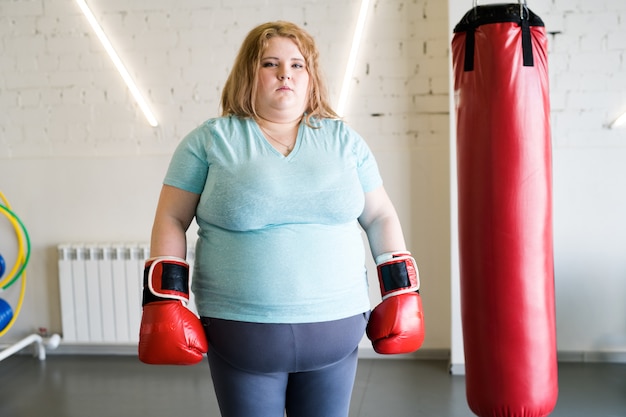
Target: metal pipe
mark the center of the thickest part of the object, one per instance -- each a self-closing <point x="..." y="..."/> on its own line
<point x="33" y="338"/>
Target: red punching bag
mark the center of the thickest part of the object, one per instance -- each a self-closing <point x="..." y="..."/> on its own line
<point x="505" y="211"/>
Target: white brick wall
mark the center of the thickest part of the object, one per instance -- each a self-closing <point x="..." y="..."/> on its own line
<point x="180" y="54"/>
<point x="587" y="68"/>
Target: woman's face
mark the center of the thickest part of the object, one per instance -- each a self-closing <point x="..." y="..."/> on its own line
<point x="283" y="81"/>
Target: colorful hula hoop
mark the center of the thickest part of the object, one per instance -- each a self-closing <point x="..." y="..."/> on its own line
<point x="23" y="256"/>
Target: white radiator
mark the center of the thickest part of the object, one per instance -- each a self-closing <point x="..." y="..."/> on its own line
<point x="101" y="291"/>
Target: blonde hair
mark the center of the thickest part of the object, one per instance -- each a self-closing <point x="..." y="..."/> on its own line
<point x="240" y="88"/>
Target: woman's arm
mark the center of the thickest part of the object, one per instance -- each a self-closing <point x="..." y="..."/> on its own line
<point x="396" y="325"/>
<point x="170" y="333"/>
<point x="175" y="211"/>
<point x="381" y="224"/>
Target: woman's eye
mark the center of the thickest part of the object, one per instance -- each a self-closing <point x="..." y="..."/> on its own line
<point x="268" y="64"/>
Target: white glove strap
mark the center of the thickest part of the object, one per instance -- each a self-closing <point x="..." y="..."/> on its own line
<point x="157" y="290"/>
<point x="387" y="256"/>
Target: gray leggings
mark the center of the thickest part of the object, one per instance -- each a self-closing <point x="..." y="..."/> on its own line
<point x="263" y="370"/>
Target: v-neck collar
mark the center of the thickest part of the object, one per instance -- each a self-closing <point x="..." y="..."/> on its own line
<point x="296" y="146"/>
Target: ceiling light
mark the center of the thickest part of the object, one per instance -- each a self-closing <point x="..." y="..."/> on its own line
<point x="619" y="121"/>
<point x="118" y="63"/>
<point x="356" y="41"/>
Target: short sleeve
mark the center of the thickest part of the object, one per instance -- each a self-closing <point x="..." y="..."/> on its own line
<point x="367" y="167"/>
<point x="189" y="166"/>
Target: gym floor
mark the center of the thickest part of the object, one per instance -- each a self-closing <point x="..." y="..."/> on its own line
<point x="105" y="386"/>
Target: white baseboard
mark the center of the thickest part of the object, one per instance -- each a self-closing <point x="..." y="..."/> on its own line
<point x="457" y="369"/>
<point x="612" y="356"/>
<point x="367" y="352"/>
<point x="95" y="349"/>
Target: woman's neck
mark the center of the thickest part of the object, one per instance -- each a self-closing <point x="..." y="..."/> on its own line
<point x="279" y="125"/>
<point x="281" y="135"/>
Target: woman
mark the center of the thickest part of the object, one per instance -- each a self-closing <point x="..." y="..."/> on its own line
<point x="279" y="186"/>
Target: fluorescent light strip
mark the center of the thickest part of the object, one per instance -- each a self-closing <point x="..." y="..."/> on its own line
<point x="118" y="63"/>
<point x="619" y="121"/>
<point x="356" y="41"/>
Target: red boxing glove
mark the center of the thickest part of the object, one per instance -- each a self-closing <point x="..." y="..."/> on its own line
<point x="170" y="333"/>
<point x="397" y="324"/>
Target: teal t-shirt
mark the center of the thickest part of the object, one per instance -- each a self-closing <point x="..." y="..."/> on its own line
<point x="278" y="237"/>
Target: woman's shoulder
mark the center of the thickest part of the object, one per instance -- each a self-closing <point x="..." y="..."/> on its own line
<point x="219" y="127"/>
<point x="338" y="128"/>
<point x="329" y="126"/>
<point x="326" y="122"/>
<point x="224" y="122"/>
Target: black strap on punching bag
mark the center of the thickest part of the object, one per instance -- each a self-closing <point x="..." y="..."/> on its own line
<point x="527" y="46"/>
<point x="498" y="13"/>
<point x="470" y="42"/>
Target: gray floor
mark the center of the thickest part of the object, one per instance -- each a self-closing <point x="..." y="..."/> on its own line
<point x="106" y="386"/>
